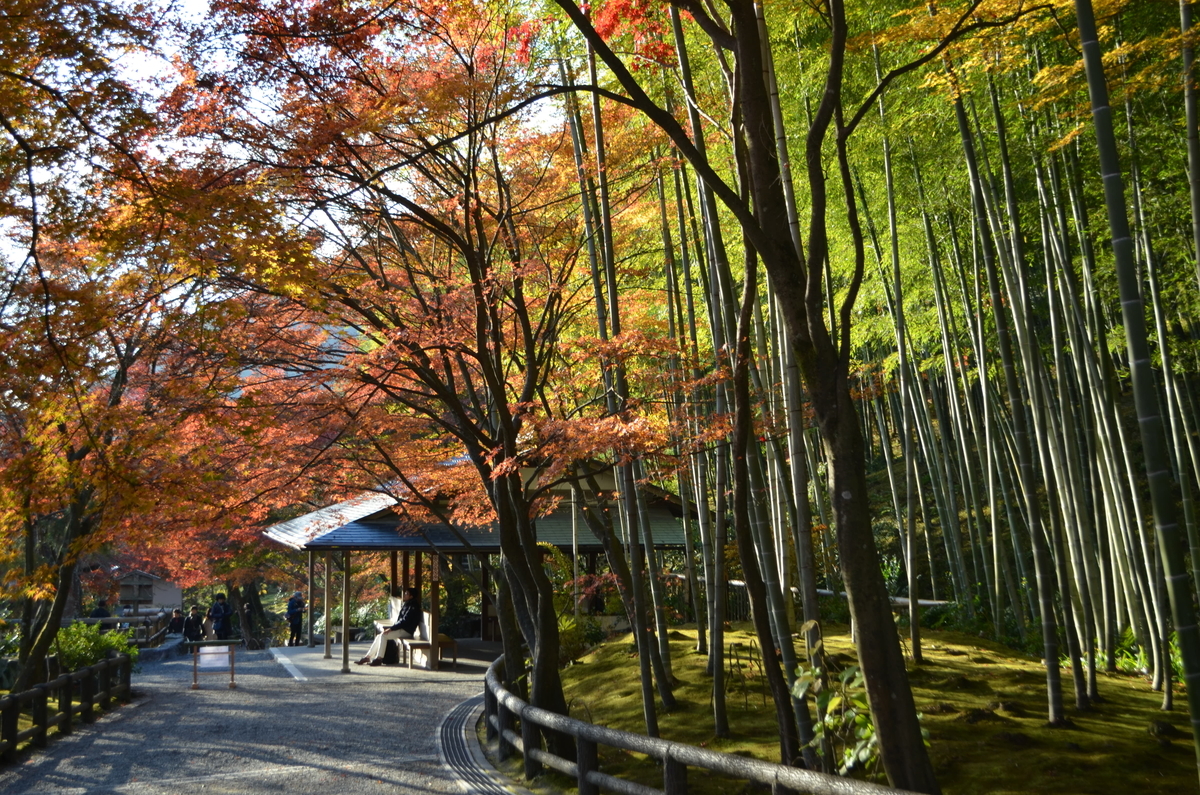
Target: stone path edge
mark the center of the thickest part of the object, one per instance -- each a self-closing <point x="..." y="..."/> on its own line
<point x="459" y="751"/>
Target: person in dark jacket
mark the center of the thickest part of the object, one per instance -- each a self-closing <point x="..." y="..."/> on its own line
<point x="295" y="615"/>
<point x="175" y="626"/>
<point x="101" y="611"/>
<point x="193" y="624"/>
<point x="221" y="614"/>
<point x="405" y="627"/>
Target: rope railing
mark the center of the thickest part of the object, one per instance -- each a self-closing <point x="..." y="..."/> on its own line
<point x="518" y="726"/>
<point x="52" y="704"/>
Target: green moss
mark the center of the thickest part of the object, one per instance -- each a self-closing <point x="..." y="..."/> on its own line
<point x="983" y="704"/>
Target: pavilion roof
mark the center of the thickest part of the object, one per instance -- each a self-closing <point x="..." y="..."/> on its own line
<point x="367" y="522"/>
<point x="299" y="532"/>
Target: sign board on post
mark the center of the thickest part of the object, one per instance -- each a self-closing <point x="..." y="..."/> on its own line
<point x="217" y="655"/>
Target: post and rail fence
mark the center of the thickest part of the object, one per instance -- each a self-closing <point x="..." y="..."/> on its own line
<point x="503" y="711"/>
<point x="53" y="704"/>
<point x="147" y="629"/>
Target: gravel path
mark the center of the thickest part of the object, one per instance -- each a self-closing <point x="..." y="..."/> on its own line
<point x="300" y="727"/>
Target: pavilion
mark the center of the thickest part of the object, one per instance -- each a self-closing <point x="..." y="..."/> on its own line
<point x="369" y="522"/>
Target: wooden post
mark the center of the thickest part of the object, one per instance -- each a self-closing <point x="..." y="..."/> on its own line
<point x="575" y="554"/>
<point x="312" y="570"/>
<point x="87" y="695"/>
<point x="106" y="687"/>
<point x="328" y="612"/>
<point x="63" y="683"/>
<point x="39" y="715"/>
<point x="10" y="711"/>
<point x="405" y="566"/>
<point x="587" y="759"/>
<point x="346" y="612"/>
<point x="417" y="578"/>
<point x="124" y="677"/>
<point x="531" y="738"/>
<point x="674" y="777"/>
<point x="489" y="709"/>
<point x="504" y="717"/>
<point x="435" y="596"/>
<point x="395" y="581"/>
<point x="485" y="603"/>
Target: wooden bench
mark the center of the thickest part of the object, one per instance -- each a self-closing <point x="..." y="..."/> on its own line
<point x="423" y="644"/>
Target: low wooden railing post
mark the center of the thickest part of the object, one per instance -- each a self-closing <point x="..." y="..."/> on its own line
<point x="106" y="687"/>
<point x="125" y="674"/>
<point x="10" y="713"/>
<point x="587" y="759"/>
<point x="39" y="711"/>
<point x="674" y="777"/>
<point x="63" y="683"/>
<point x="504" y="717"/>
<point x="531" y="738"/>
<point x="87" y="695"/>
<point x="489" y="709"/>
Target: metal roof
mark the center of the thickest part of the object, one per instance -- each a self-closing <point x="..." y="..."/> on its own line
<point x="298" y="532"/>
<point x="350" y="525"/>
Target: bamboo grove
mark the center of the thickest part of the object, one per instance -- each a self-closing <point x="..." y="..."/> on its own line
<point x="843" y="277"/>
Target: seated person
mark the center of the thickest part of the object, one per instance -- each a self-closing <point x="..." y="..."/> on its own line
<point x="405" y="626"/>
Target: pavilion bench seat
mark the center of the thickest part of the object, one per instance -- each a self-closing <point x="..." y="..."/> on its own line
<point x="422" y="642"/>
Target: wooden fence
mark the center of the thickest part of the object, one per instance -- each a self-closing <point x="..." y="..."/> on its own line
<point x="54" y="703"/>
<point x="148" y="630"/>
<point x="504" y="710"/>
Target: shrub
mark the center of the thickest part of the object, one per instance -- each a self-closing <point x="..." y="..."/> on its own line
<point x="81" y="645"/>
<point x="361" y="615"/>
<point x="576" y="640"/>
<point x="10" y="638"/>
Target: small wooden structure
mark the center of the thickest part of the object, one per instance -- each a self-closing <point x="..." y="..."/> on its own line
<point x="369" y="523"/>
<point x="140" y="591"/>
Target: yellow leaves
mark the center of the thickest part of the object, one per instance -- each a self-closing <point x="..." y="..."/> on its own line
<point x="43" y="591"/>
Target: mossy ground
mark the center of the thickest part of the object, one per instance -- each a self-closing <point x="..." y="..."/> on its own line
<point x="984" y="706"/>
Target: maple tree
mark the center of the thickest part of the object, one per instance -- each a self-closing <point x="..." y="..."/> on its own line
<point x="446" y="249"/>
<point x="116" y="387"/>
<point x="62" y="108"/>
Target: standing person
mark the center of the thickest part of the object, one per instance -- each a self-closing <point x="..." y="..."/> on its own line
<point x="295" y="615"/>
<point x="406" y="624"/>
<point x="176" y="624"/>
<point x="101" y="611"/>
<point x="221" y="613"/>
<point x="193" y="625"/>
